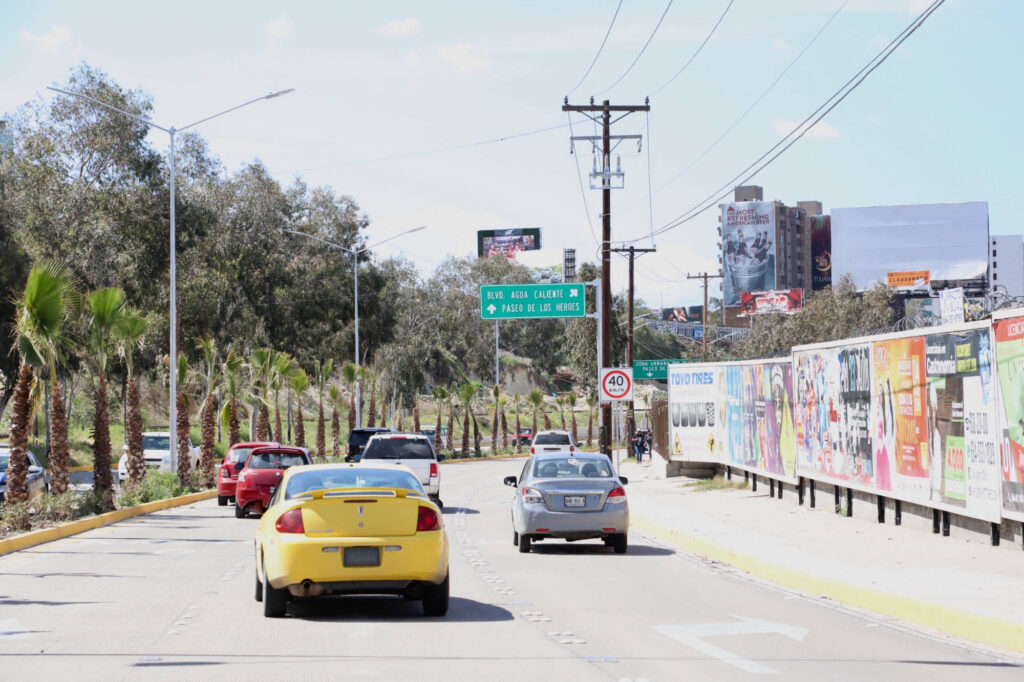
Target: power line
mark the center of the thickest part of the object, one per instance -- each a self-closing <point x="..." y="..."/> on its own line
<point x="697" y="52"/>
<point x="756" y="101"/>
<point x="842" y="93"/>
<point x="607" y="33"/>
<point x="439" y="150"/>
<point x="642" y="50"/>
<point x="583" y="194"/>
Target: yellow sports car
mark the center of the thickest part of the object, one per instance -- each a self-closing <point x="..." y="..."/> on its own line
<point x="347" y="529"/>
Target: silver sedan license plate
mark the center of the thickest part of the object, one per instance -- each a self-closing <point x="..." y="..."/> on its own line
<point x="361" y="556"/>
<point x="575" y="501"/>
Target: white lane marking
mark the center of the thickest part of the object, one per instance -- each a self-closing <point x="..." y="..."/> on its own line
<point x="11" y="628"/>
<point x="691" y="635"/>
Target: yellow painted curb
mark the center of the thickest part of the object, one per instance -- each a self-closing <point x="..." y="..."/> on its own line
<point x="38" y="537"/>
<point x="463" y="460"/>
<point x="78" y="470"/>
<point x="992" y="631"/>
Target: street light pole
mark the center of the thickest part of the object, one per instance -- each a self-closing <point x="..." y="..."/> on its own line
<point x="355" y="276"/>
<point x="173" y="310"/>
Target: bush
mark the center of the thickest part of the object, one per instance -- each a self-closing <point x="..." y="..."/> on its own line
<point x="153" y="486"/>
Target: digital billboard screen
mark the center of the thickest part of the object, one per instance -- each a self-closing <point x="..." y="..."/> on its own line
<point x="507" y="242"/>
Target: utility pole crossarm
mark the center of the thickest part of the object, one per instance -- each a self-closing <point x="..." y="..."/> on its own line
<point x="605" y="107"/>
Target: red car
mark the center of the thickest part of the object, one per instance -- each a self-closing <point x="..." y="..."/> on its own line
<point x="261" y="474"/>
<point x="233" y="463"/>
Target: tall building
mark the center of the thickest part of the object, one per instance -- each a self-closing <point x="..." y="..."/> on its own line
<point x="1006" y="264"/>
<point x="774" y="253"/>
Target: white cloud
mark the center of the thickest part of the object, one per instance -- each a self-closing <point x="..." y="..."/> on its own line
<point x="821" y="130"/>
<point x="402" y="27"/>
<point x="464" y="58"/>
<point x="278" y="31"/>
<point x="782" y="45"/>
<point x="49" y="42"/>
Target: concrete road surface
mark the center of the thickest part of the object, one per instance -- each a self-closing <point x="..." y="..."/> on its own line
<point x="170" y="596"/>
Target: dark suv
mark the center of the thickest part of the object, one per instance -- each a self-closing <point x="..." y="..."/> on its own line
<point x="357" y="441"/>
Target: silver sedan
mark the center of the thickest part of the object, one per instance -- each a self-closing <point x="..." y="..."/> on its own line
<point x="569" y="496"/>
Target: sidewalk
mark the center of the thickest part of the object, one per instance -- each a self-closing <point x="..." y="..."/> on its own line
<point x="962" y="587"/>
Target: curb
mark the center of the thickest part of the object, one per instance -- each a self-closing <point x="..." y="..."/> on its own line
<point x="464" y="460"/>
<point x="983" y="629"/>
<point x="43" y="535"/>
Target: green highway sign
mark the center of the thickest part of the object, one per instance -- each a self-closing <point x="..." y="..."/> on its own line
<point x="653" y="369"/>
<point x="532" y="301"/>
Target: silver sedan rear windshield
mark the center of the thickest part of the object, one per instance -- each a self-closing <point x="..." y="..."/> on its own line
<point x="573" y="467"/>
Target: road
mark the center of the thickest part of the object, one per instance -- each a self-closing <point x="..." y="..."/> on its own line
<point x="170" y="595"/>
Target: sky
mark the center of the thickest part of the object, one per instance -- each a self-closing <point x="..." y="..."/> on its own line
<point x="392" y="101"/>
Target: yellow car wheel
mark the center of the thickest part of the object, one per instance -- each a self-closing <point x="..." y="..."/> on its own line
<point x="275" y="601"/>
<point x="435" y="599"/>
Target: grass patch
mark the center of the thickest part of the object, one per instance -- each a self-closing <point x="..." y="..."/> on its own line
<point x="717" y="483"/>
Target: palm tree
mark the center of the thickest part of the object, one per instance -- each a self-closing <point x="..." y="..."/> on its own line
<point x="416" y="414"/>
<point x="517" y="404"/>
<point x="208" y="418"/>
<point x="571" y="399"/>
<point x="496" y="392"/>
<point x="591" y="404"/>
<point x="42" y="312"/>
<point x="280" y="370"/>
<point x="232" y="370"/>
<point x="398" y="414"/>
<point x="364" y="373"/>
<point x="104" y="308"/>
<point x="536" y="400"/>
<point x="371" y="419"/>
<point x="259" y="368"/>
<point x="560" y="401"/>
<point x="440" y="394"/>
<point x="466" y="394"/>
<point x="184" y="404"/>
<point x="337" y="400"/>
<point x="299" y="382"/>
<point x="129" y="332"/>
<point x="453" y="394"/>
<point x="350" y="374"/>
<point x="547" y="417"/>
<point x="504" y="423"/>
<point x="321" y="373"/>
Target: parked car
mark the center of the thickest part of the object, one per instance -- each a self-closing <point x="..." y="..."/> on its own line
<point x="525" y="436"/>
<point x="357" y="441"/>
<point x="156" y="449"/>
<point x="410" y="450"/>
<point x="351" y="529"/>
<point x="37" y="478"/>
<point x="234" y="462"/>
<point x="569" y="496"/>
<point x="553" y="441"/>
<point x="261" y="474"/>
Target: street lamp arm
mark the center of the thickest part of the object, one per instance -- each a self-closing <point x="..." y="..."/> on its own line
<point x="324" y="241"/>
<point x="236" y="108"/>
<point x="109" y="106"/>
<point x="396" y="236"/>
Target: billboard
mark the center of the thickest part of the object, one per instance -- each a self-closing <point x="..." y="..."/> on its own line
<point x="1009" y="333"/>
<point x="693" y="396"/>
<point x="821" y="252"/>
<point x="748" y="248"/>
<point x="948" y="241"/>
<point x="507" y="242"/>
<point x="781" y="301"/>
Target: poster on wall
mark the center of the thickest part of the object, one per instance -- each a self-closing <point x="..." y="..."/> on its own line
<point x="1009" y="333"/>
<point x="962" y="427"/>
<point x="693" y="426"/>
<point x="773" y="438"/>
<point x="897" y="369"/>
<point x="731" y="404"/>
<point x="832" y="411"/>
<point x="748" y="248"/>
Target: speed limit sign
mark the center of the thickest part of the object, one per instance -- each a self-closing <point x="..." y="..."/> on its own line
<point x="616" y="384"/>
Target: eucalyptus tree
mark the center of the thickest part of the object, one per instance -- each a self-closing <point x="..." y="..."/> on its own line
<point x="130" y="331"/>
<point x="104" y="309"/>
<point x="232" y="372"/>
<point x="321" y="373"/>
<point x="299" y="383"/>
<point x="208" y="418"/>
<point x="41" y="314"/>
<point x="536" y="400"/>
<point x="337" y="401"/>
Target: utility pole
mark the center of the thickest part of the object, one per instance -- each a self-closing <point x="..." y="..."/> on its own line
<point x="602" y="113"/>
<point x="632" y="251"/>
<point x="704" y="324"/>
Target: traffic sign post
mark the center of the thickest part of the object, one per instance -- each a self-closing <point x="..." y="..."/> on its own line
<point x="653" y="369"/>
<point x="532" y="301"/>
<point x="616" y="384"/>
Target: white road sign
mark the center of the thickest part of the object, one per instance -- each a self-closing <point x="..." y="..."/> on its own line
<point x="616" y="384"/>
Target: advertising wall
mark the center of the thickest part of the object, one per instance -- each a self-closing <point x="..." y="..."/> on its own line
<point x="748" y="248"/>
<point x="1009" y="333"/>
<point x="949" y="241"/>
<point x="693" y="414"/>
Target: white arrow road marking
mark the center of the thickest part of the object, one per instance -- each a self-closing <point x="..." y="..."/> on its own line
<point x="11" y="628"/>
<point x="691" y="636"/>
<point x="491" y="309"/>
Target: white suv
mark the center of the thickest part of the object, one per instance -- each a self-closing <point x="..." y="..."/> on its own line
<point x="156" y="449"/>
<point x="553" y="441"/>
<point x="411" y="449"/>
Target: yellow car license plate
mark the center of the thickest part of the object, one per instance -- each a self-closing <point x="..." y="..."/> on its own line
<point x="361" y="556"/>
